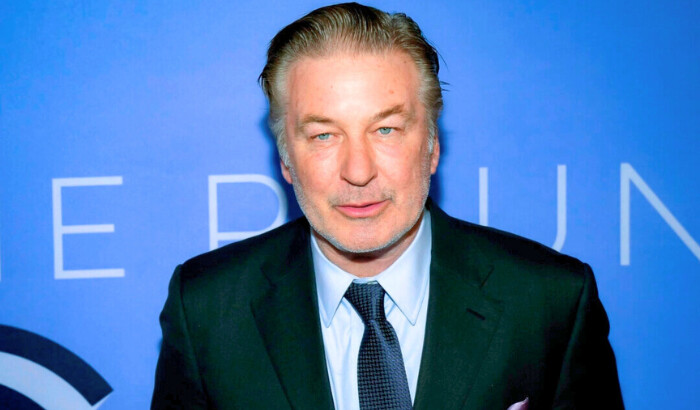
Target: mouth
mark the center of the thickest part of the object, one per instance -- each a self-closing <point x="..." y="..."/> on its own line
<point x="362" y="210"/>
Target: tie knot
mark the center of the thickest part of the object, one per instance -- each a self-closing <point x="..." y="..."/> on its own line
<point x="367" y="299"/>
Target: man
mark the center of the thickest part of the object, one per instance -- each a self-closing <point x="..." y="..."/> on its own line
<point x="376" y="299"/>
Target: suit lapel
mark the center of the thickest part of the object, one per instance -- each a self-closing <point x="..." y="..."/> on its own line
<point x="288" y="320"/>
<point x="461" y="319"/>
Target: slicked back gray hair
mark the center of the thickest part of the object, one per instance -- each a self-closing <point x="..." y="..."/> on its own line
<point x="355" y="28"/>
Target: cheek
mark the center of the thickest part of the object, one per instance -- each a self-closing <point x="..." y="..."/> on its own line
<point x="404" y="175"/>
<point x="315" y="175"/>
<point x="416" y="173"/>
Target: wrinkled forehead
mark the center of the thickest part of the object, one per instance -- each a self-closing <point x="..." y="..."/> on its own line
<point x="352" y="75"/>
<point x="336" y="50"/>
<point x="340" y="66"/>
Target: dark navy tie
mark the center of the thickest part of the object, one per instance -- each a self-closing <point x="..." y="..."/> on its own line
<point x="381" y="376"/>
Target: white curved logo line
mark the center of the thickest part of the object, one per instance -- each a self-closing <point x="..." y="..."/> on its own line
<point x="40" y="384"/>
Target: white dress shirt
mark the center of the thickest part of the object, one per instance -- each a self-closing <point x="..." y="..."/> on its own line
<point x="406" y="283"/>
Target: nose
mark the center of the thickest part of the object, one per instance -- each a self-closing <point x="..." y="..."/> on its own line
<point x="358" y="166"/>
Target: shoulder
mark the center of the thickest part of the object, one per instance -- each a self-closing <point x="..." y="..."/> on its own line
<point x="237" y="267"/>
<point x="252" y="251"/>
<point x="498" y="245"/>
<point x="530" y="283"/>
<point x="506" y="262"/>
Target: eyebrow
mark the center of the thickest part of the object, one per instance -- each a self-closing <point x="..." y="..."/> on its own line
<point x="397" y="109"/>
<point x="313" y="119"/>
<point x="317" y="119"/>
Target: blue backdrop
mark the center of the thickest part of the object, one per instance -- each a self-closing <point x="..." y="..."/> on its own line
<point x="132" y="137"/>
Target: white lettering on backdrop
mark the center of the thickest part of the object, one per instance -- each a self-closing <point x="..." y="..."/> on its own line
<point x="59" y="229"/>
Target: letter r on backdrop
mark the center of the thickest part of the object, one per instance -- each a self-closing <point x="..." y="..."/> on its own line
<point x="215" y="236"/>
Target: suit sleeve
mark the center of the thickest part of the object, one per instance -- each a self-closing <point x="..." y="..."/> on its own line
<point x="588" y="377"/>
<point x="178" y="384"/>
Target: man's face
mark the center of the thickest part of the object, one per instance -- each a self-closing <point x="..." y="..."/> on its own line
<point x="357" y="139"/>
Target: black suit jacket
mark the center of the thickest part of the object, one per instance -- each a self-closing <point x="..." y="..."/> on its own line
<point x="507" y="319"/>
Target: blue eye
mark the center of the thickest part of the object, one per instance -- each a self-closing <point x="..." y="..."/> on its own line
<point x="324" y="136"/>
<point x="385" y="130"/>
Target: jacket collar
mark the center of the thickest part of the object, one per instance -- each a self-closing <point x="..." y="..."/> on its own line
<point x="461" y="318"/>
<point x="288" y="321"/>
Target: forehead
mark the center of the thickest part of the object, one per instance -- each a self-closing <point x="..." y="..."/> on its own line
<point x="344" y="83"/>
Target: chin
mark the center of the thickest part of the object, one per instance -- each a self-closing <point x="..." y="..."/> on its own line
<point x="362" y="243"/>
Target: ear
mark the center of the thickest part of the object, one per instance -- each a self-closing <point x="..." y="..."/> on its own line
<point x="285" y="172"/>
<point x="435" y="155"/>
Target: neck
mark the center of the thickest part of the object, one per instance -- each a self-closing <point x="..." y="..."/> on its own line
<point x="367" y="264"/>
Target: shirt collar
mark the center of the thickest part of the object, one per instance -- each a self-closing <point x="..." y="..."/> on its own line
<point x="405" y="281"/>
